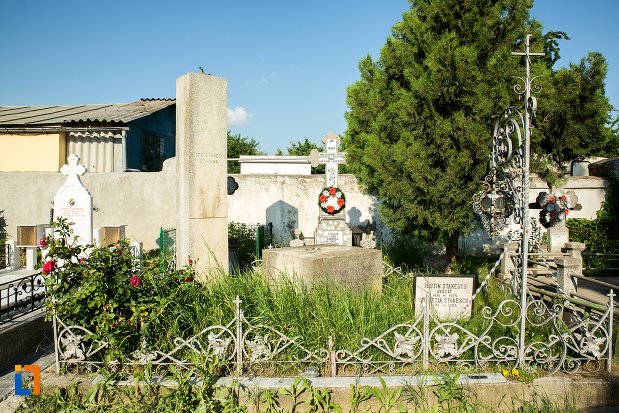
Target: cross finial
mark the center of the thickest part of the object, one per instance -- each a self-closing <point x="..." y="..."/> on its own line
<point x="331" y="136"/>
<point x="73" y="167"/>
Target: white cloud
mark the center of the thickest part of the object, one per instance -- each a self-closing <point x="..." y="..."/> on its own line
<point x="238" y="116"/>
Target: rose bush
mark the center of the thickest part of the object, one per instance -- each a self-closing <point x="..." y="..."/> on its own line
<point x="105" y="290"/>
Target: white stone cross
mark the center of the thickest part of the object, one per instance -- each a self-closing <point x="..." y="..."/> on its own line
<point x="74" y="169"/>
<point x="331" y="158"/>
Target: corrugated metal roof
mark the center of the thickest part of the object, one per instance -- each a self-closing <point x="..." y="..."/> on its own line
<point x="62" y="115"/>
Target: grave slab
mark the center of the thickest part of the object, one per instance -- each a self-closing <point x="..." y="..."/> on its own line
<point x="352" y="267"/>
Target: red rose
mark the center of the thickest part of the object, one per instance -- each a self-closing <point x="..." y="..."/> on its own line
<point x="82" y="259"/>
<point x="332" y="191"/>
<point x="43" y="242"/>
<point x="553" y="214"/>
<point x="552" y="199"/>
<point x="134" y="281"/>
<point x="190" y="261"/>
<point x="330" y="209"/>
<point x="188" y="279"/>
<point x="563" y="198"/>
<point x="566" y="211"/>
<point x="323" y="199"/>
<point x="48" y="267"/>
<point x="340" y="202"/>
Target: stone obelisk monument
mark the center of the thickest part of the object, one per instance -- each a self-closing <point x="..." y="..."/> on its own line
<point x="201" y="169"/>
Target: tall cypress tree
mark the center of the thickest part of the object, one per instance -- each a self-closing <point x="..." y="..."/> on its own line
<point x="420" y="117"/>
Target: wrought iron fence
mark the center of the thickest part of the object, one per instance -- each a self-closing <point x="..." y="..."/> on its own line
<point x="250" y="347"/>
<point x="21" y="296"/>
<point x="4" y="254"/>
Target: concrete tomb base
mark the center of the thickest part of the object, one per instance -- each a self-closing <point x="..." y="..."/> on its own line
<point x="352" y="267"/>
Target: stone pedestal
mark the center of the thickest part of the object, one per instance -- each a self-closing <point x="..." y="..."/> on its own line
<point x="334" y="232"/>
<point x="201" y="167"/>
<point x="351" y="267"/>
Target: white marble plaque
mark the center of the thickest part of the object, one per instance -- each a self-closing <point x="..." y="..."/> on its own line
<point x="333" y="237"/>
<point x="449" y="297"/>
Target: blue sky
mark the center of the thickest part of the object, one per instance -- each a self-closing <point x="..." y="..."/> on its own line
<point x="287" y="63"/>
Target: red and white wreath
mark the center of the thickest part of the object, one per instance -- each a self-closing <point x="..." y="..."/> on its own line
<point x="331" y="200"/>
<point x="555" y="208"/>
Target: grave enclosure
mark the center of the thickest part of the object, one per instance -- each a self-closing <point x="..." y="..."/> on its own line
<point x="332" y="256"/>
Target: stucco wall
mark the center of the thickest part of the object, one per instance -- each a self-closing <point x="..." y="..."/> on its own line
<point x="147" y="201"/>
<point x="32" y="152"/>
<point x="143" y="201"/>
<point x="290" y="201"/>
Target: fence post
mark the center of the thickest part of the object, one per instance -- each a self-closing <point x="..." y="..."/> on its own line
<point x="575" y="249"/>
<point x="611" y="315"/>
<point x="566" y="284"/>
<point x="259" y="241"/>
<point x="239" y="336"/>
<point x="426" y="331"/>
<point x="12" y="255"/>
<point x="507" y="263"/>
<point x="332" y="357"/>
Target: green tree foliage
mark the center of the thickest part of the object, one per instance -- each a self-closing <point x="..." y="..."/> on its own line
<point x="574" y="118"/>
<point x="419" y="119"/>
<point x="421" y="116"/>
<point x="237" y="146"/>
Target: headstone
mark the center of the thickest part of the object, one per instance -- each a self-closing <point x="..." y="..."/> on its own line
<point x="333" y="232"/>
<point x="332" y="228"/>
<point x="74" y="202"/>
<point x="558" y="235"/>
<point x="448" y="297"/>
<point x="297" y="241"/>
<point x="201" y="167"/>
<point x="330" y="157"/>
<point x="368" y="240"/>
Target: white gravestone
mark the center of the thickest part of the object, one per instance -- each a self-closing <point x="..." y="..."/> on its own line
<point x="331" y="158"/>
<point x="74" y="202"/>
<point x="450" y="298"/>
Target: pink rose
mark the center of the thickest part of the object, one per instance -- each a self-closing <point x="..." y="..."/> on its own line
<point x="48" y="267"/>
<point x="134" y="281"/>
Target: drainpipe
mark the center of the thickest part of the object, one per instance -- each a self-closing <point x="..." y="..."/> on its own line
<point x="124" y="146"/>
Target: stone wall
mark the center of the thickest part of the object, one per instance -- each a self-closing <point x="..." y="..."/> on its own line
<point x="147" y="201"/>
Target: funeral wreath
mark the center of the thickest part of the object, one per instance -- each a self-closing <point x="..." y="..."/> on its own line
<point x="331" y="200"/>
<point x="555" y="208"/>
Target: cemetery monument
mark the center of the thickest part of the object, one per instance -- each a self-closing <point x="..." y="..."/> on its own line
<point x="201" y="168"/>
